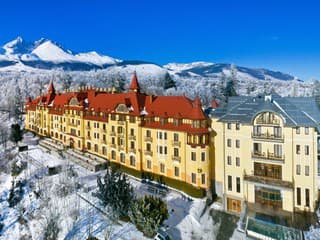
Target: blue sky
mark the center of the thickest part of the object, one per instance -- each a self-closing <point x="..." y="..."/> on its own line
<point x="280" y="35"/>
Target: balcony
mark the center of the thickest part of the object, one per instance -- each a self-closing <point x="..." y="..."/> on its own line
<point x="267" y="156"/>
<point x="112" y="134"/>
<point x="132" y="137"/>
<point x="176" y="158"/>
<point x="73" y="124"/>
<point x="103" y="141"/>
<point x="267" y="136"/>
<point x="132" y="150"/>
<point x="88" y="127"/>
<point x="104" y="131"/>
<point x="148" y="153"/>
<point x="120" y="135"/>
<point x="121" y="148"/>
<point x="88" y="137"/>
<point x="112" y="145"/>
<point x="121" y="122"/>
<point x="148" y="139"/>
<point x="268" y="121"/>
<point x="264" y="202"/>
<point x="176" y="143"/>
<point x="268" y="181"/>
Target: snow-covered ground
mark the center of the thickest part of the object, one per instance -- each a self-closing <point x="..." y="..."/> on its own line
<point x="80" y="213"/>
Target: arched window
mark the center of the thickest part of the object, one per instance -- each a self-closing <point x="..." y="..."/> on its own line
<point x="132" y="161"/>
<point x="113" y="155"/>
<point x="122" y="158"/>
<point x="104" y="150"/>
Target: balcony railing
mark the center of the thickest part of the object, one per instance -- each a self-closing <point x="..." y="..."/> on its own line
<point x="176" y="158"/>
<point x="88" y="127"/>
<point x="132" y="137"/>
<point x="121" y="122"/>
<point x="267" y="136"/>
<point x="268" y="181"/>
<point x="104" y="130"/>
<point x="268" y="156"/>
<point x="121" y="148"/>
<point x="268" y="121"/>
<point x="112" y="134"/>
<point x="148" y="153"/>
<point x="267" y="202"/>
<point x="103" y="141"/>
<point x="176" y="143"/>
<point x="148" y="139"/>
<point x="88" y="137"/>
<point x="132" y="150"/>
<point x="112" y="145"/>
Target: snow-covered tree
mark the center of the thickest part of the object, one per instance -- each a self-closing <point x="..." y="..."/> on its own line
<point x="115" y="192"/>
<point x="148" y="213"/>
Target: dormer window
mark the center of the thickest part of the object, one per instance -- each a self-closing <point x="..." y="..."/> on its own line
<point x="163" y="121"/>
<point x="176" y="122"/>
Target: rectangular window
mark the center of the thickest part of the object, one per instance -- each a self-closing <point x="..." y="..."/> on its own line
<point x="298" y="196"/>
<point x="229" y="142"/>
<point x="230" y="183"/>
<point x="257" y="149"/>
<point x="165" y="136"/>
<point x="229" y="125"/>
<point x="229" y="160"/>
<point x="237" y="143"/>
<point x="176" y="137"/>
<point x="277" y="150"/>
<point x="306" y="170"/>
<point x="297" y="130"/>
<point x="306" y="149"/>
<point x="237" y="126"/>
<point x="277" y="132"/>
<point x="257" y="130"/>
<point x="148" y="133"/>
<point x="203" y="156"/>
<point x="306" y="131"/>
<point x="298" y="169"/>
<point x="237" y="161"/>
<point x="165" y="150"/>
<point x="131" y="132"/>
<point x="193" y="156"/>
<point x="162" y="167"/>
<point x="203" y="178"/>
<point x="176" y="152"/>
<point x="149" y="164"/>
<point x="297" y="149"/>
<point x="238" y="185"/>
<point x="193" y="178"/>
<point x="176" y="171"/>
<point x="307" y="197"/>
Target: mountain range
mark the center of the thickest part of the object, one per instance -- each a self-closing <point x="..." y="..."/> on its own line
<point x="45" y="54"/>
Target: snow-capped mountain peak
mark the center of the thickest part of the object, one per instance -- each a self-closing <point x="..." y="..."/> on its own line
<point x="49" y="51"/>
<point x="17" y="46"/>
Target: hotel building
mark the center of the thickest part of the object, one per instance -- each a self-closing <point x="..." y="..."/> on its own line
<point x="266" y="155"/>
<point x="164" y="135"/>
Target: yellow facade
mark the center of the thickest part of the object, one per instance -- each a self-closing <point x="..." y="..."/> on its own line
<point x="124" y="139"/>
<point x="265" y="163"/>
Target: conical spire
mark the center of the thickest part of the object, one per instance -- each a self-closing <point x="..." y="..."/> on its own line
<point x="134" y="86"/>
<point x="214" y="103"/>
<point x="51" y="89"/>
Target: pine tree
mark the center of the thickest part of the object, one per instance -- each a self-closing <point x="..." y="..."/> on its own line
<point x="168" y="82"/>
<point x="148" y="213"/>
<point x="115" y="192"/>
<point x="16" y="133"/>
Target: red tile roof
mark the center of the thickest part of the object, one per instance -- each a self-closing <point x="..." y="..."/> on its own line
<point x="176" y="107"/>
